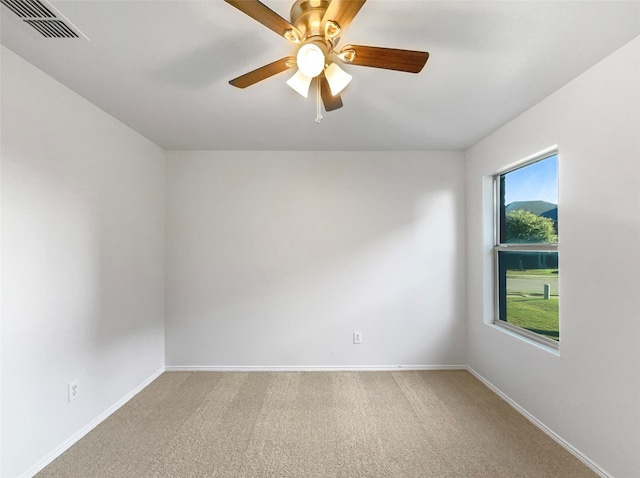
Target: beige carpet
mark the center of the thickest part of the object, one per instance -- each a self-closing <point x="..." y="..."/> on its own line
<point x="316" y="424"/>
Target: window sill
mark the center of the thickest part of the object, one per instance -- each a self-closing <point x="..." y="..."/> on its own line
<point x="547" y="348"/>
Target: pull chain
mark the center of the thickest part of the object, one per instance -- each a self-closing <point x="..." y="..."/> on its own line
<point x="318" y="103"/>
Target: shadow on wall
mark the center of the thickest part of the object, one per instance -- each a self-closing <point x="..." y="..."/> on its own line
<point x="80" y="250"/>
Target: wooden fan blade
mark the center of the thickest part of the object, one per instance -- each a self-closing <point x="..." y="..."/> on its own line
<point x="342" y="12"/>
<point x="263" y="14"/>
<point x="331" y="102"/>
<point x="387" y="58"/>
<point x="264" y="72"/>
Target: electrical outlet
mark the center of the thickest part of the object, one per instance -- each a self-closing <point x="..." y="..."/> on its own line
<point x="357" y="337"/>
<point x="74" y="390"/>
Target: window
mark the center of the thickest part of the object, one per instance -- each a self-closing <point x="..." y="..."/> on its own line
<point x="526" y="249"/>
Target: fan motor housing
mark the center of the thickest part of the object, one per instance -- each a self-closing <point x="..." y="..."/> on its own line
<point x="306" y="16"/>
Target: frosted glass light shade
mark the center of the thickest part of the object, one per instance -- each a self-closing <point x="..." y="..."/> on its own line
<point x="300" y="82"/>
<point x="310" y="60"/>
<point x="337" y="78"/>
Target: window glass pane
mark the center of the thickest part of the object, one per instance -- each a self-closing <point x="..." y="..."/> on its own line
<point x="528" y="291"/>
<point x="529" y="203"/>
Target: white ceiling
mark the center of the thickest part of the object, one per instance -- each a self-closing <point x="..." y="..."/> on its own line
<point x="162" y="68"/>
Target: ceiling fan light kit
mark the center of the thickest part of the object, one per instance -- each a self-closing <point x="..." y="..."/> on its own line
<point x="338" y="78"/>
<point x="310" y="59"/>
<point x="317" y="25"/>
<point x="300" y="83"/>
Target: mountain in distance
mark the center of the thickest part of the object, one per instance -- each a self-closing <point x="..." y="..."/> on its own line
<point x="539" y="208"/>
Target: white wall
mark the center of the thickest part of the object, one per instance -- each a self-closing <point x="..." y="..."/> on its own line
<point x="274" y="259"/>
<point x="590" y="393"/>
<point x="82" y="262"/>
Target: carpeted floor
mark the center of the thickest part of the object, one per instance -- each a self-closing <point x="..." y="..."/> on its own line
<point x="316" y="424"/>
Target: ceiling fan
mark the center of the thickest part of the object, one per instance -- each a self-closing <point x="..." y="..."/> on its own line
<point x="317" y="25"/>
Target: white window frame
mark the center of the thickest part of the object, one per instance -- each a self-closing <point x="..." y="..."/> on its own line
<point x="528" y="247"/>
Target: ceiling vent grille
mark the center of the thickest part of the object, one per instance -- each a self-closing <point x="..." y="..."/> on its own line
<point x="53" y="28"/>
<point x="41" y="17"/>
<point x="28" y="8"/>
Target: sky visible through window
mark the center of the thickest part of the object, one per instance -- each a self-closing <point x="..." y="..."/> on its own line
<point x="535" y="182"/>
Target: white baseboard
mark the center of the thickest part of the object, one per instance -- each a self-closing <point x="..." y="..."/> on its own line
<point x="86" y="429"/>
<point x="308" y="368"/>
<point x="557" y="438"/>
